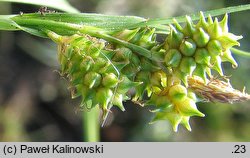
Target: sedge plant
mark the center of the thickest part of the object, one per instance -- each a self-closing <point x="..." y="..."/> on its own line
<point x="110" y="59"/>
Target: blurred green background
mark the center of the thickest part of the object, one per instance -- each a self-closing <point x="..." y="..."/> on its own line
<point x="35" y="103"/>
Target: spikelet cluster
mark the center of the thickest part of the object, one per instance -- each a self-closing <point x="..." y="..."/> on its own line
<point x="195" y="49"/>
<point x="91" y="73"/>
<point x="191" y="52"/>
<point x="105" y="73"/>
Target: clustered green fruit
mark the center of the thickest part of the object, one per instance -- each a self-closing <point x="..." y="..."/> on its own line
<point x="105" y="73"/>
<point x="198" y="48"/>
<point x="91" y="73"/>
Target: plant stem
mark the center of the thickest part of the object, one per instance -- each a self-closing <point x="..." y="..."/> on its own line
<point x="91" y="128"/>
<point x="240" y="52"/>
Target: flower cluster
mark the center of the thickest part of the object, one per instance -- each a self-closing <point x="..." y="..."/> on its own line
<point x="104" y="73"/>
<point x="91" y="73"/>
<point x="196" y="49"/>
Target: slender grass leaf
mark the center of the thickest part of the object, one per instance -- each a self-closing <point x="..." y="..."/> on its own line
<point x="7" y="24"/>
<point x="67" y="24"/>
<point x="106" y="22"/>
<point x="216" y="12"/>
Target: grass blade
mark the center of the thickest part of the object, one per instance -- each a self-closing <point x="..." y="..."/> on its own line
<point x="107" y="22"/>
<point x="62" y="23"/>
<point x="7" y="24"/>
<point x="216" y="12"/>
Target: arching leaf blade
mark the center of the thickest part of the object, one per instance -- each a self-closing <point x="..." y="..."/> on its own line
<point x="196" y="16"/>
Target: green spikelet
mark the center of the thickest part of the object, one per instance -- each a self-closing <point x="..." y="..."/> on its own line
<point x="188" y="47"/>
<point x="176" y="104"/>
<point x="94" y="72"/>
<point x="110" y="80"/>
<point x="187" y="65"/>
<point x="177" y="93"/>
<point x="173" y="58"/>
<point x="206" y="44"/>
<point x="175" y="38"/>
<point x="200" y="37"/>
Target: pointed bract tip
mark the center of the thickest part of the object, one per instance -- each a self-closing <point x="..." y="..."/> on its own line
<point x="209" y="19"/>
<point x="223" y="23"/>
<point x="185" y="123"/>
<point x="177" y="25"/>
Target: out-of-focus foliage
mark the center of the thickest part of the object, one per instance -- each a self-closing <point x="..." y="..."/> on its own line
<point x="58" y="4"/>
<point x="35" y="104"/>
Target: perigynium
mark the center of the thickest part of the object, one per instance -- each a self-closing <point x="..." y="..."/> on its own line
<point x="105" y="73"/>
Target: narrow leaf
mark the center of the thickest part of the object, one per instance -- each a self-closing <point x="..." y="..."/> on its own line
<point x="7" y="24"/>
<point x="107" y="22"/>
<point x="216" y="12"/>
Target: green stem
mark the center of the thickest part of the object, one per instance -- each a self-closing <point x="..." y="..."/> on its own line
<point x="240" y="52"/>
<point x="91" y="127"/>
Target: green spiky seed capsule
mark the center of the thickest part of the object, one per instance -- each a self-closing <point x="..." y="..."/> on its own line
<point x="103" y="97"/>
<point x="188" y="47"/>
<point x="214" y="47"/>
<point x="189" y="29"/>
<point x="202" y="56"/>
<point x="92" y="79"/>
<point x="227" y="56"/>
<point x="223" y="24"/>
<point x="229" y="40"/>
<point x="177" y="92"/>
<point x="110" y="80"/>
<point x="214" y="29"/>
<point x="173" y="58"/>
<point x="174" y="118"/>
<point x="187" y="107"/>
<point x="160" y="101"/>
<point x="200" y="71"/>
<point x="216" y="62"/>
<point x="87" y="93"/>
<point x="185" y="122"/>
<point x="187" y="65"/>
<point x="201" y="38"/>
<point x="175" y="38"/>
<point x="118" y="99"/>
<point x="202" y="22"/>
